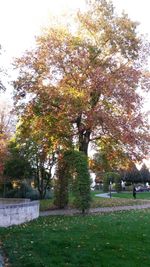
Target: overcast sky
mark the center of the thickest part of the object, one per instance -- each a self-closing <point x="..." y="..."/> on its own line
<point x="21" y="20"/>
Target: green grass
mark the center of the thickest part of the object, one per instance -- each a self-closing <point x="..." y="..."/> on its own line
<point x="115" y="240"/>
<point x="122" y="199"/>
<point x="46" y="204"/>
<point x="128" y="195"/>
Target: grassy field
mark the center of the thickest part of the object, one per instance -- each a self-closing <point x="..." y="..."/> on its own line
<point x="122" y="199"/>
<point x="128" y="195"/>
<point x="117" y="240"/>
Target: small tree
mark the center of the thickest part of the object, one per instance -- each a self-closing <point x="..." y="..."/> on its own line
<point x="39" y="149"/>
<point x="73" y="170"/>
<point x="112" y="177"/>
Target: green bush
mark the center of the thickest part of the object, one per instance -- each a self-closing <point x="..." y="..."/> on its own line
<point x="12" y="193"/>
<point x="26" y="191"/>
<point x="32" y="194"/>
<point x="73" y="175"/>
<point x="49" y="194"/>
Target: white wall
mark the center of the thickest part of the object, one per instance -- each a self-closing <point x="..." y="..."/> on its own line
<point x="14" y="214"/>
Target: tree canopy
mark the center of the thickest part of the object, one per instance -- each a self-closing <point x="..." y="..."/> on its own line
<point x="81" y="82"/>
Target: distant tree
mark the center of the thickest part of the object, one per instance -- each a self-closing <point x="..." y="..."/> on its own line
<point x="145" y="174"/>
<point x="3" y="151"/>
<point x="109" y="178"/>
<point x="2" y="87"/>
<point x="110" y="156"/>
<point x="132" y="175"/>
<point x="100" y="163"/>
<point x="7" y="118"/>
<point x="6" y="130"/>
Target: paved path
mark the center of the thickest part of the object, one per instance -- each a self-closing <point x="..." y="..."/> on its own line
<point x="94" y="210"/>
<point x="106" y="195"/>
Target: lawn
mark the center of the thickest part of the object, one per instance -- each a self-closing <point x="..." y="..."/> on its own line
<point x="122" y="199"/>
<point x="115" y="239"/>
<point x="128" y="195"/>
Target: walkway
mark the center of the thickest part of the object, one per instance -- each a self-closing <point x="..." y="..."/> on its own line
<point x="106" y="195"/>
<point x="94" y="210"/>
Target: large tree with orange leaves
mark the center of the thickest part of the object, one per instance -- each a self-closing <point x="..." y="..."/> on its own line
<point x="81" y="82"/>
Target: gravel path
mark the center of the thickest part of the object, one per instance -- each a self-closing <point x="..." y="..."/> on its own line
<point x="94" y="210"/>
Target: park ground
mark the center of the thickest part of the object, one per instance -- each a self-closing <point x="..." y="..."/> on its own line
<point x="101" y="240"/>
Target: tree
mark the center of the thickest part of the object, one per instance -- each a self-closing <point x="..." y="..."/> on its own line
<point x="110" y="156"/>
<point x="72" y="172"/>
<point x="39" y="149"/>
<point x="84" y="81"/>
<point x="2" y="87"/>
<point x="132" y="175"/>
<point x="109" y="178"/>
<point x="6" y="129"/>
<point x="145" y="174"/>
<point x="3" y="152"/>
<point x="16" y="166"/>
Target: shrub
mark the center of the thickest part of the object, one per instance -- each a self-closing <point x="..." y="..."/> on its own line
<point x="73" y="173"/>
<point x="12" y="193"/>
<point x="33" y="194"/>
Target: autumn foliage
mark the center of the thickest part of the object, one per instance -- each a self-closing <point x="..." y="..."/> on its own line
<point x="81" y="83"/>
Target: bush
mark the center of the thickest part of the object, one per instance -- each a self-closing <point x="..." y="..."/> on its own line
<point x="33" y="194"/>
<point x="73" y="174"/>
<point x="12" y="193"/>
<point x="26" y="191"/>
<point x="49" y="194"/>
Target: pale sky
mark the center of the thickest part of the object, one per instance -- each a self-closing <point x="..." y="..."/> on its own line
<point x="22" y="20"/>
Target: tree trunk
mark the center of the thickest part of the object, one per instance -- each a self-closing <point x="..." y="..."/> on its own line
<point x="84" y="136"/>
<point x="84" y="139"/>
